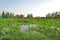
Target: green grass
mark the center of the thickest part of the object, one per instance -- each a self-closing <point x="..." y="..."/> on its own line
<point x="47" y="29"/>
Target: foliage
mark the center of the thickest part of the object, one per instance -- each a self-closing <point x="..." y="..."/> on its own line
<point x="7" y="15"/>
<point x="46" y="29"/>
<point x="53" y="15"/>
<point x="21" y="16"/>
<point x="37" y="17"/>
<point x="3" y="14"/>
<point x="29" y="16"/>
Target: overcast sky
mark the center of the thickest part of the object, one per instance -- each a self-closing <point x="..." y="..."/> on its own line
<point x="36" y="7"/>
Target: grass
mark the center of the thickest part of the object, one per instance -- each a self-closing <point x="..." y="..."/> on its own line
<point x="47" y="29"/>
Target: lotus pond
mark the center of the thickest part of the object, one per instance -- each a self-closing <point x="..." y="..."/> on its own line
<point x="29" y="29"/>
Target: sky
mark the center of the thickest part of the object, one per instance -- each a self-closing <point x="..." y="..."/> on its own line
<point x="35" y="7"/>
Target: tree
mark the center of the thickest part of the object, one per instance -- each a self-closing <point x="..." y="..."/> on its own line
<point x="7" y="15"/>
<point x="21" y="16"/>
<point x="3" y="14"/>
<point x="11" y="15"/>
<point x="29" y="16"/>
<point x="17" y="16"/>
<point x="53" y="15"/>
<point x="48" y="15"/>
<point x="56" y="15"/>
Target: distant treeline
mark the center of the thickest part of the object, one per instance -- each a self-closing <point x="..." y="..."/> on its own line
<point x="11" y="15"/>
<point x="53" y="15"/>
